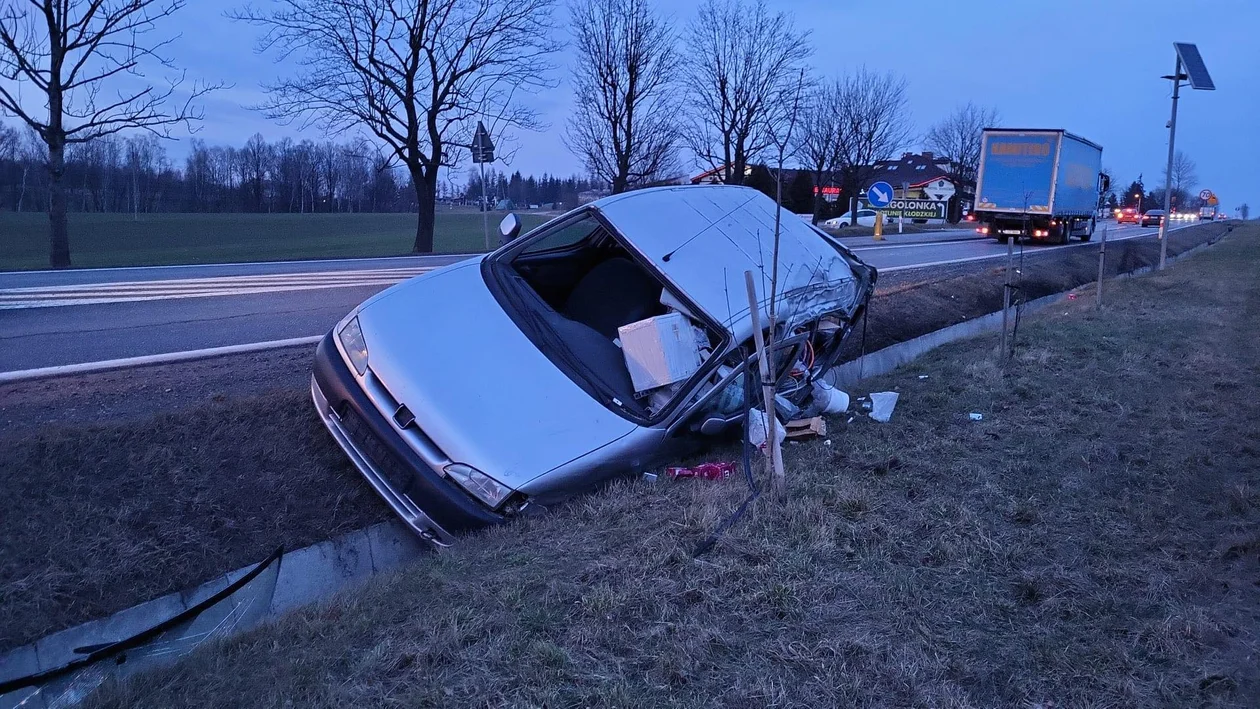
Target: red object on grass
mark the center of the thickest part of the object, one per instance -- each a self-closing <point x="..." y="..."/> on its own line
<point x="707" y="471"/>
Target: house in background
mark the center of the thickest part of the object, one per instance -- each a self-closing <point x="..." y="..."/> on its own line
<point x="926" y="176"/>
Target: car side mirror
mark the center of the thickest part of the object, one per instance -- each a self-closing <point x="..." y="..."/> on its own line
<point x="509" y="228"/>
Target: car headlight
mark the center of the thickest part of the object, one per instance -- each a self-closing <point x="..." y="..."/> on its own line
<point x="486" y="488"/>
<point x="352" y="342"/>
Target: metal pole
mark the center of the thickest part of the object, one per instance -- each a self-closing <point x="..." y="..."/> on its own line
<point x="1102" y="259"/>
<point x="901" y="218"/>
<point x="1172" y="140"/>
<point x="1006" y="292"/>
<point x="485" y="208"/>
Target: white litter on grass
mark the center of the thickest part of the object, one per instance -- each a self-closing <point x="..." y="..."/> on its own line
<point x="833" y="400"/>
<point x="923" y="376"/>
<point x="882" y="405"/>
<point x="975" y="416"/>
<point x="649" y="477"/>
<point x="757" y="429"/>
<point x="827" y="442"/>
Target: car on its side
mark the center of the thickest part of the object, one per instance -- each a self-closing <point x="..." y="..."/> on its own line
<point x="511" y="381"/>
<point x="865" y="217"/>
<point x="1153" y="217"/>
<point x="1128" y="215"/>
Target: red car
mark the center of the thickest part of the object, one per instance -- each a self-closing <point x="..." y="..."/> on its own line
<point x="1128" y="214"/>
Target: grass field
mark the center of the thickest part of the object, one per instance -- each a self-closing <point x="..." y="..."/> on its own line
<point x="98" y="240"/>
<point x="1093" y="541"/>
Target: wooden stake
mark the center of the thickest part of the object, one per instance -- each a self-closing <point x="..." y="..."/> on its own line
<point x="767" y="387"/>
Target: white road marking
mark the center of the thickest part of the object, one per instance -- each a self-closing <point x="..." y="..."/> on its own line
<point x="1030" y="252"/>
<point x="103" y="365"/>
<point x="175" y="289"/>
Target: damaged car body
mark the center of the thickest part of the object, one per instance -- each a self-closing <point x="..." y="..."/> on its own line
<point x="608" y="340"/>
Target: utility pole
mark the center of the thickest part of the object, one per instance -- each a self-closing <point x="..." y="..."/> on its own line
<point x="1172" y="141"/>
<point x="1188" y="57"/>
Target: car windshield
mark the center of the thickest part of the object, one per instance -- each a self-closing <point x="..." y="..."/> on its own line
<point x="590" y="305"/>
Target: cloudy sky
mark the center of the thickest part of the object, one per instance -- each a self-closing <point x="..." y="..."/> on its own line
<point x="1089" y="66"/>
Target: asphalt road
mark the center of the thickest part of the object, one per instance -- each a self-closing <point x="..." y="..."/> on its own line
<point x="52" y="318"/>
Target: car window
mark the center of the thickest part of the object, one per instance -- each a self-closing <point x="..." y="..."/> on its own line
<point x="564" y="237"/>
<point x="866" y="213"/>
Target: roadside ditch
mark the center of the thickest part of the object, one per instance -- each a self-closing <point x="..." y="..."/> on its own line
<point x="127" y="485"/>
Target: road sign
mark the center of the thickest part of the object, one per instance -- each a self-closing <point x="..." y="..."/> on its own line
<point x="1196" y="70"/>
<point x="1206" y="195"/>
<point x="914" y="208"/>
<point x="879" y="194"/>
<point x="940" y="190"/>
<point x="482" y="146"/>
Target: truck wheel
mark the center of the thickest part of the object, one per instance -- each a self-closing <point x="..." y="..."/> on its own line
<point x="1089" y="234"/>
<point x="1003" y="238"/>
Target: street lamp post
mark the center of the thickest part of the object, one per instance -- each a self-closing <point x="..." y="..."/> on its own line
<point x="1187" y="57"/>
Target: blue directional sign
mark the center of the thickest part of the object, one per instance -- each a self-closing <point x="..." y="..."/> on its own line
<point x="879" y="195"/>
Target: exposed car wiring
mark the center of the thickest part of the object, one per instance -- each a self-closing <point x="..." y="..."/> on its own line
<point x="754" y="491"/>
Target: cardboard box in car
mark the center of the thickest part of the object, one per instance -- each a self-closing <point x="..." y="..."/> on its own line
<point x="659" y="351"/>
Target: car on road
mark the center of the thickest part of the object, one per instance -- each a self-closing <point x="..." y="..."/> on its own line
<point x="610" y="339"/>
<point x="865" y="217"/>
<point x="1128" y="215"/>
<point x="1153" y="217"/>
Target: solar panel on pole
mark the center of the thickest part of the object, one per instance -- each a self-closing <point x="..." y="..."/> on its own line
<point x="1196" y="70"/>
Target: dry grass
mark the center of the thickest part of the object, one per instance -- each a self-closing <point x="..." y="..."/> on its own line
<point x="1092" y="542"/>
<point x="95" y="519"/>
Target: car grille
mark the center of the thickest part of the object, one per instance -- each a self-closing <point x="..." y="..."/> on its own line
<point x="396" y="472"/>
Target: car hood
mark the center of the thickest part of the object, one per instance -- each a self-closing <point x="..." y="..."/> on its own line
<point x="443" y="346"/>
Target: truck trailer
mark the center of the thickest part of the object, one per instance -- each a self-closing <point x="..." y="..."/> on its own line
<point x="1039" y="184"/>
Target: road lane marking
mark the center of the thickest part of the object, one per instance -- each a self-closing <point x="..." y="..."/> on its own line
<point x="1031" y="252"/>
<point x="217" y="286"/>
<point x="165" y="358"/>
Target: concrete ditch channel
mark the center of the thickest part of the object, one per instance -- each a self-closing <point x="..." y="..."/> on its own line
<point x="317" y="572"/>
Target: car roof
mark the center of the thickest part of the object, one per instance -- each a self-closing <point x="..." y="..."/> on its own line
<point x="703" y="238"/>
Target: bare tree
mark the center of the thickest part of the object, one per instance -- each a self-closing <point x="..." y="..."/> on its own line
<point x="818" y="142"/>
<point x="1244" y="211"/>
<point x="1184" y="173"/>
<point x="417" y="74"/>
<point x="257" y="162"/>
<point x="957" y="137"/>
<point x="70" y="53"/>
<point x="8" y="143"/>
<point x="741" y="74"/>
<point x="623" y="126"/>
<point x="874" y="125"/>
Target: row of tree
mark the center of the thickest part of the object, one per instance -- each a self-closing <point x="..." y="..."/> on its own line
<point x="134" y="174"/>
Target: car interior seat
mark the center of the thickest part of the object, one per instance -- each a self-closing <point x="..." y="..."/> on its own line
<point x="615" y="292"/>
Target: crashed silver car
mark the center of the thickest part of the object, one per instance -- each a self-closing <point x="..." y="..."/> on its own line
<point x="608" y="340"/>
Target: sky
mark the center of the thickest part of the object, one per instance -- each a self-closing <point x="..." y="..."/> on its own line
<point x="1091" y="67"/>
